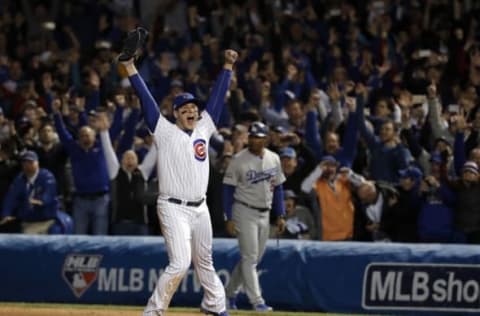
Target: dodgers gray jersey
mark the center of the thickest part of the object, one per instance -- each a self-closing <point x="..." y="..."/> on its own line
<point x="254" y="177"/>
<point x="183" y="165"/>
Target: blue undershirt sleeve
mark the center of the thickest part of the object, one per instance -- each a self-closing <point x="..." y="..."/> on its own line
<point x="228" y="191"/>
<point x="217" y="97"/>
<point x="277" y="204"/>
<point x="150" y="109"/>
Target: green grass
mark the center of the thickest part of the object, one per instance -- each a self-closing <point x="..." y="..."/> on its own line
<point x="179" y="309"/>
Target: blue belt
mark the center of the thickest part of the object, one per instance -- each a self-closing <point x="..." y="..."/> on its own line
<point x="260" y="209"/>
<point x="187" y="203"/>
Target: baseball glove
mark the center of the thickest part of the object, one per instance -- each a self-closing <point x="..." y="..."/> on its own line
<point x="132" y="43"/>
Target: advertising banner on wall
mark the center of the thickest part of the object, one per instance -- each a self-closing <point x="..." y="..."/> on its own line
<point x="294" y="275"/>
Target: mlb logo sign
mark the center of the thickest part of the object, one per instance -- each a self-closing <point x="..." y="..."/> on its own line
<point x="80" y="271"/>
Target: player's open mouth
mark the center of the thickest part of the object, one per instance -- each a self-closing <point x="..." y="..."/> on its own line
<point x="191" y="119"/>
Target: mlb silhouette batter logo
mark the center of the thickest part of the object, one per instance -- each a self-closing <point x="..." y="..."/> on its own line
<point x="80" y="272"/>
<point x="200" y="149"/>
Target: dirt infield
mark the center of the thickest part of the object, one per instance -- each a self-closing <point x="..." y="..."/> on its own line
<point x="72" y="311"/>
<point x="28" y="309"/>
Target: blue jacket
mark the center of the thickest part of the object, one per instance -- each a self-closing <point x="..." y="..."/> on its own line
<point x="89" y="168"/>
<point x="17" y="200"/>
<point x="385" y="161"/>
<point x="346" y="154"/>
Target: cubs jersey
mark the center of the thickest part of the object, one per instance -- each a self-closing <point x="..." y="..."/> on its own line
<point x="183" y="165"/>
<point x="254" y="177"/>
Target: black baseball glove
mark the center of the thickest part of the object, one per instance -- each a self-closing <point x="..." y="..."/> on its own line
<point x="132" y="43"/>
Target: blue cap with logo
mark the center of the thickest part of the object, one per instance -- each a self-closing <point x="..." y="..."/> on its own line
<point x="288" y="152"/>
<point x="258" y="129"/>
<point x="184" y="98"/>
<point x="411" y="172"/>
<point x="29" y="155"/>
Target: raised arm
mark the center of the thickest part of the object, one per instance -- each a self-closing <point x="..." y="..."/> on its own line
<point x="459" y="152"/>
<point x="435" y="113"/>
<point x="111" y="159"/>
<point x="217" y="97"/>
<point x="312" y="136"/>
<point x="307" y="184"/>
<point x="117" y="123"/>
<point x="148" y="162"/>
<point x="92" y="100"/>
<point x="126" y="141"/>
<point x="368" y="135"/>
<point x="65" y="137"/>
<point x="350" y="135"/>
<point x="149" y="105"/>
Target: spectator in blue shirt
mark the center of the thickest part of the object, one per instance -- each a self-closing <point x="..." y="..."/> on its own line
<point x="388" y="154"/>
<point x="90" y="177"/>
<point x="32" y="198"/>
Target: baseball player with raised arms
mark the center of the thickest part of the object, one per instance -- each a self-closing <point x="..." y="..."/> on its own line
<point x="183" y="169"/>
<point x="252" y="187"/>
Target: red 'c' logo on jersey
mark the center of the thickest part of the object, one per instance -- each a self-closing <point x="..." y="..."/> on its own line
<point x="200" y="149"/>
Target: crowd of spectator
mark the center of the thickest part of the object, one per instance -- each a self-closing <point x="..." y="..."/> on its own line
<point x="373" y="107"/>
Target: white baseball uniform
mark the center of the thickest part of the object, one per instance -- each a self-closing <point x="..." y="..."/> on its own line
<point x="183" y="170"/>
<point x="254" y="179"/>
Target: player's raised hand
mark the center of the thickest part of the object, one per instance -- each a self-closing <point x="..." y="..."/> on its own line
<point x="230" y="58"/>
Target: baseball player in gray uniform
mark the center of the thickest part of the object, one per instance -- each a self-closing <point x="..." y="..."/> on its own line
<point x="183" y="169"/>
<point x="252" y="187"/>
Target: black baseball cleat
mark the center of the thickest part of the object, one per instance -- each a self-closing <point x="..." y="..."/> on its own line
<point x="132" y="44"/>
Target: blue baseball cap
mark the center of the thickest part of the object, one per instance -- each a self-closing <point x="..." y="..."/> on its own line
<point x="29" y="155"/>
<point x="288" y="152"/>
<point x="329" y="158"/>
<point x="258" y="129"/>
<point x="279" y="129"/>
<point x="411" y="172"/>
<point x="184" y="98"/>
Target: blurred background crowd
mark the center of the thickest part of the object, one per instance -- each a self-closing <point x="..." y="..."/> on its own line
<point x="372" y="107"/>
